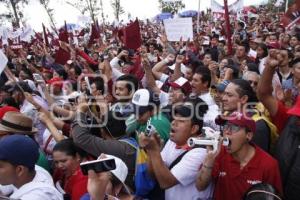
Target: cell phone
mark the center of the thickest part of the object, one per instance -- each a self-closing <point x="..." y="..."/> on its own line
<point x="101" y="165"/>
<point x="38" y="78"/>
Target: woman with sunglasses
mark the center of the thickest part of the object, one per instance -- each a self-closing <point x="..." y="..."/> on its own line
<point x="241" y="164"/>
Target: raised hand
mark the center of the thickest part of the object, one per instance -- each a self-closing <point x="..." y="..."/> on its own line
<point x="179" y="59"/>
<point x="271" y="60"/>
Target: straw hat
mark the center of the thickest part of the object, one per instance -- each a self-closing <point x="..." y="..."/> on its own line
<point x="15" y="122"/>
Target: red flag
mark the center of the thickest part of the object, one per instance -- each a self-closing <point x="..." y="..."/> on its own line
<point x="38" y="36"/>
<point x="62" y="56"/>
<point x="95" y="34"/>
<point x="81" y="34"/>
<point x="228" y="31"/>
<point x="132" y="35"/>
<point x="45" y="36"/>
<point x="63" y="36"/>
<point x="121" y="34"/>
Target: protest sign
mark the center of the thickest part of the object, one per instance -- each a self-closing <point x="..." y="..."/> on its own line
<point x="179" y="27"/>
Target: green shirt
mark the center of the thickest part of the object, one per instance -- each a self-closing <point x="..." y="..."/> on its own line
<point x="161" y="124"/>
<point x="43" y="162"/>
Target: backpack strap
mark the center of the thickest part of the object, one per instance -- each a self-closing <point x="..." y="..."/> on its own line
<point x="178" y="159"/>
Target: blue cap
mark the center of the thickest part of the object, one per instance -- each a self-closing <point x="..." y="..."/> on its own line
<point x="19" y="150"/>
<point x="222" y="86"/>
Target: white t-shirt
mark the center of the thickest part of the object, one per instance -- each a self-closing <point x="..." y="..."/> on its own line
<point x="185" y="172"/>
<point x="212" y="113"/>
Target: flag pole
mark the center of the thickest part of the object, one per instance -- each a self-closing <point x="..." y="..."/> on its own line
<point x="198" y="17"/>
<point x="228" y="31"/>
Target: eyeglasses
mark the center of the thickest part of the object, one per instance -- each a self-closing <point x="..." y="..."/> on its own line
<point x="232" y="128"/>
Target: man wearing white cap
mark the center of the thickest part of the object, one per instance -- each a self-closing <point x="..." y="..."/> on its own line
<point x="109" y="185"/>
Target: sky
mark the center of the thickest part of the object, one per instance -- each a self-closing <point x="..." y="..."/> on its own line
<point x="36" y="15"/>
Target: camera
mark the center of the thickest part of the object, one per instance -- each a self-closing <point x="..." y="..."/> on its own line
<point x="150" y="129"/>
<point x="102" y="165"/>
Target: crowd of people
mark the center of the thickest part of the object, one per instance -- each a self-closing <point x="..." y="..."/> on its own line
<point x="140" y="107"/>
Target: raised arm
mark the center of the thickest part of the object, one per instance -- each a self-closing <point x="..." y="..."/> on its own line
<point x="158" y="69"/>
<point x="149" y="76"/>
<point x="264" y="90"/>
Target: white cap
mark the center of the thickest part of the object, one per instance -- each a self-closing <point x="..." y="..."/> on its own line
<point x="121" y="171"/>
<point x="141" y="97"/>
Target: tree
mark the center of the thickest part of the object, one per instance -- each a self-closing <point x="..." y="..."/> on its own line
<point x="15" y="10"/>
<point x="102" y="12"/>
<point x="84" y="6"/>
<point x="118" y="9"/>
<point x="171" y="7"/>
<point x="45" y="4"/>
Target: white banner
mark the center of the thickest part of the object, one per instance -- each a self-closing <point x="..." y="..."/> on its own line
<point x="26" y="34"/>
<point x="179" y="27"/>
<point x="234" y="7"/>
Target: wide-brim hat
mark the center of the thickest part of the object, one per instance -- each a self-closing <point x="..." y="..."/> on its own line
<point x="15" y="122"/>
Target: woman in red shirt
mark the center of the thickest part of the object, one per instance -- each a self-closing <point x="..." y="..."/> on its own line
<point x="67" y="158"/>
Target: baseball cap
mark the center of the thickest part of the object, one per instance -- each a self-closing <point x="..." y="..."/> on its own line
<point x="222" y="86"/>
<point x="237" y="118"/>
<point x="295" y="110"/>
<point x="19" y="150"/>
<point x="56" y="81"/>
<point x="273" y="45"/>
<point x="182" y="83"/>
<point x="121" y="170"/>
<point x="143" y="100"/>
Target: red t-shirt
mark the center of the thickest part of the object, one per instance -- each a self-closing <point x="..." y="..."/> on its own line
<point x="281" y="117"/>
<point x="76" y="185"/>
<point x="232" y="182"/>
